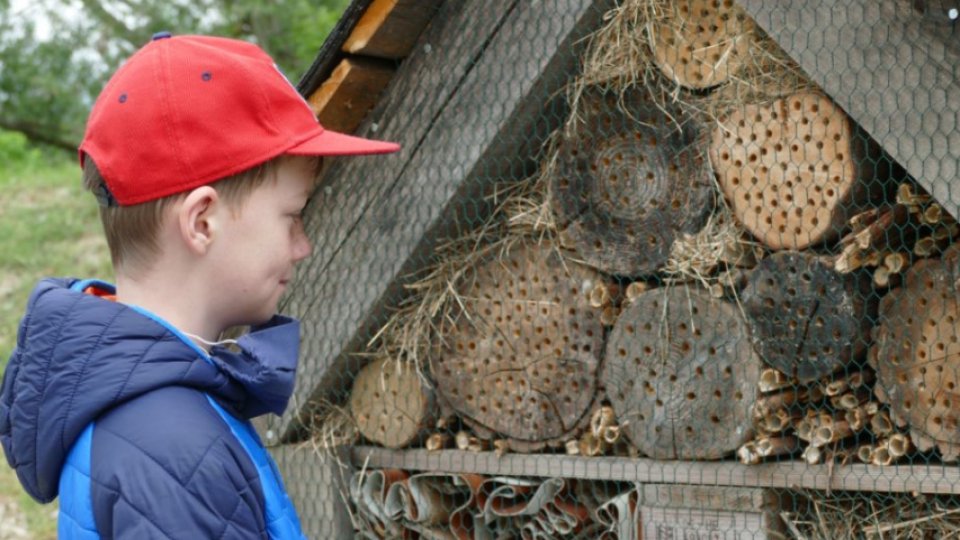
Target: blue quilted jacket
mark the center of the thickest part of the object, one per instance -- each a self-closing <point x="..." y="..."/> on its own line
<point x="142" y="434"/>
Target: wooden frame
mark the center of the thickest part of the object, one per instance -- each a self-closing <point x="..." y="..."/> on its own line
<point x="939" y="479"/>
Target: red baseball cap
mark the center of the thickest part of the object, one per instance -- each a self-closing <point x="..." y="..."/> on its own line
<point x="186" y="111"/>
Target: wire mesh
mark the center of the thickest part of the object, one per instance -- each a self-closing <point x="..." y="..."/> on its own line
<point x="635" y="273"/>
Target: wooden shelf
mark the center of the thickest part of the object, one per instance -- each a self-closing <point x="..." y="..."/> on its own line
<point x="934" y="478"/>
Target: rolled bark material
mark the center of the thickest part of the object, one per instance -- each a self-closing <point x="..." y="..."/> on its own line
<point x="748" y="455"/>
<point x="777" y="446"/>
<point x="681" y="375"/>
<point x="806" y="319"/>
<point x="774" y="379"/>
<point x="628" y="184"/>
<point x="771" y="403"/>
<point x="893" y="228"/>
<point x="391" y="404"/>
<point x="437" y="441"/>
<point x="635" y="289"/>
<point x="701" y="43"/>
<point x="521" y="360"/>
<point x="917" y="354"/>
<point x="794" y="171"/>
<point x="881" y="424"/>
<point x="865" y="453"/>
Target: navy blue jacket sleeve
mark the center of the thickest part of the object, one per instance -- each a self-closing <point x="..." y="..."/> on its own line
<point x="165" y="466"/>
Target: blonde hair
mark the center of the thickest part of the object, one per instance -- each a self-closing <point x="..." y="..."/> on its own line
<point x="132" y="231"/>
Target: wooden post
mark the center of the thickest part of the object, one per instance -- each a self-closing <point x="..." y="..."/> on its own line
<point x="629" y="182"/>
<point x="806" y="319"/>
<point x="521" y="357"/>
<point x="917" y="354"/>
<point x="390" y="28"/>
<point x="701" y="43"/>
<point x="391" y="403"/>
<point x="681" y="375"/>
<point x="794" y="170"/>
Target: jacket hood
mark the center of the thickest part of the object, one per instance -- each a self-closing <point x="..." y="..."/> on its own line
<point x="78" y="355"/>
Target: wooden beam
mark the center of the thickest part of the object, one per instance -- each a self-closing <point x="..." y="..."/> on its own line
<point x="940" y="479"/>
<point x="894" y="69"/>
<point x="469" y="113"/>
<point x="329" y="54"/>
<point x="344" y="100"/>
<point x="390" y="28"/>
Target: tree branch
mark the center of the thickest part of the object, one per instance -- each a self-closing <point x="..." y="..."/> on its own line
<point x="119" y="28"/>
<point x="38" y="134"/>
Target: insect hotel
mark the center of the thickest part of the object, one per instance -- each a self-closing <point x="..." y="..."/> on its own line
<point x="662" y="269"/>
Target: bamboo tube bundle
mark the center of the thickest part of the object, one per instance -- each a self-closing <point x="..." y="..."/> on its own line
<point x="916" y="354"/>
<point x="521" y="359"/>
<point x="628" y="182"/>
<point x="806" y="319"/>
<point x="886" y="231"/>
<point x="701" y="43"/>
<point x="681" y="375"/>
<point x="391" y="403"/>
<point x="794" y="170"/>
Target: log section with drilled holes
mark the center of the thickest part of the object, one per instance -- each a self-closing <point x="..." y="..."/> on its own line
<point x="806" y="319"/>
<point x="794" y="170"/>
<point x="343" y="101"/>
<point x="390" y="403"/>
<point x="521" y="360"/>
<point x="390" y="28"/>
<point x="681" y="375"/>
<point x="701" y="43"/>
<point x="917" y="354"/>
<point x="629" y="183"/>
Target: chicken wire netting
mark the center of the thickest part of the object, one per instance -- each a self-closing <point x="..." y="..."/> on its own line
<point x="635" y="273"/>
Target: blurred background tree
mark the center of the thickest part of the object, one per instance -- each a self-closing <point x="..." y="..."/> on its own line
<point x="56" y="55"/>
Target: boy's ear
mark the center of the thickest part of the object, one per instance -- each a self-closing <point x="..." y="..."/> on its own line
<point x="197" y="218"/>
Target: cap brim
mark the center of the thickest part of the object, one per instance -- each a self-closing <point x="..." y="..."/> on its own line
<point x="331" y="143"/>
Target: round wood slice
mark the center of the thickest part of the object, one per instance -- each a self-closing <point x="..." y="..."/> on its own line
<point x="522" y="360"/>
<point x="793" y="170"/>
<point x="391" y="406"/>
<point x="806" y="319"/>
<point x="681" y="375"/>
<point x="917" y="354"/>
<point x="627" y="185"/>
<point x="702" y="43"/>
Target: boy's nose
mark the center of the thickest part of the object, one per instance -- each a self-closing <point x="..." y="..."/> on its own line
<point x="301" y="245"/>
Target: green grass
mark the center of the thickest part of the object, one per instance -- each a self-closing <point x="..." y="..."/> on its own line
<point x="48" y="227"/>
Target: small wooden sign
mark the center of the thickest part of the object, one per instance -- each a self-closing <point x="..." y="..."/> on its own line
<point x="679" y="512"/>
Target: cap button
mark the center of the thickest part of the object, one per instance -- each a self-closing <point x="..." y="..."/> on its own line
<point x="160" y="35"/>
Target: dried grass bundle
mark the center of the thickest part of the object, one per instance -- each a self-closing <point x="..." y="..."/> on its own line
<point x="841" y="516"/>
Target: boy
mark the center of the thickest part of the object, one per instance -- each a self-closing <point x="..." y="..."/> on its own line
<point x="202" y="157"/>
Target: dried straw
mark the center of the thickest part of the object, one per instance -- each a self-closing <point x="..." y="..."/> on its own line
<point x="840" y="516"/>
<point x="620" y="56"/>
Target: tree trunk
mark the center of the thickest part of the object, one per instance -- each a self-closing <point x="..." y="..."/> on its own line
<point x="917" y="354"/>
<point x="391" y="404"/>
<point x="806" y="319"/>
<point x="629" y="182"/>
<point x="681" y="375"/>
<point x="701" y="43"/>
<point x="795" y="170"/>
<point x="521" y="359"/>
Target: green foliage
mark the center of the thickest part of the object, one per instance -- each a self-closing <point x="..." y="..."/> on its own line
<point x="16" y="152"/>
<point x="53" y="72"/>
